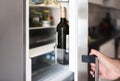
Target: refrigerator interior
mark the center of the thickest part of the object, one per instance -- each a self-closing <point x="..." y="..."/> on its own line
<point x="44" y="68"/>
<point x="43" y="58"/>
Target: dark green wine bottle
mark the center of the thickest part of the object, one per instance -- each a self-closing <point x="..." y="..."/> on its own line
<point x="62" y="38"/>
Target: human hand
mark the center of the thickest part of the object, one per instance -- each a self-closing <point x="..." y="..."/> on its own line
<point x="108" y="68"/>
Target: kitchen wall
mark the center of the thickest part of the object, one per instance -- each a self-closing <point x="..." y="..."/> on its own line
<point x="97" y="12"/>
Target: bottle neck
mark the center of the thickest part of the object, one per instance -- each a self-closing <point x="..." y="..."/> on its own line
<point x="63" y="20"/>
<point x="62" y="13"/>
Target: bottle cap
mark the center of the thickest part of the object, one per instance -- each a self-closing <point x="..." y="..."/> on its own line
<point x="63" y="12"/>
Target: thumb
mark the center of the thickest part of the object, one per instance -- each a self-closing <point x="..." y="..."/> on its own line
<point x="96" y="53"/>
<point x="100" y="55"/>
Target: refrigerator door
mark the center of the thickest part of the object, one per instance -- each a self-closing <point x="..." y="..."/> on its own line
<point x="12" y="40"/>
<point x="82" y="38"/>
<point x="78" y="32"/>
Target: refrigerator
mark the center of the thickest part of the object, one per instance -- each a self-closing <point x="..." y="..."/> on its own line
<point x="16" y="59"/>
<point x="12" y="40"/>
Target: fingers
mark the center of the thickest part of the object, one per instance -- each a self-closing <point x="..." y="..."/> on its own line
<point x="100" y="57"/>
<point x="92" y="71"/>
<point x="93" y="66"/>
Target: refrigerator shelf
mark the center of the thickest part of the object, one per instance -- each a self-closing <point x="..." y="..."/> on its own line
<point x="34" y="52"/>
<point x="54" y="72"/>
<point x="33" y="28"/>
<point x="43" y="5"/>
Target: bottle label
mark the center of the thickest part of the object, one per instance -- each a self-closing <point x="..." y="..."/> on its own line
<point x="61" y="55"/>
<point x="67" y="42"/>
<point x="56" y="38"/>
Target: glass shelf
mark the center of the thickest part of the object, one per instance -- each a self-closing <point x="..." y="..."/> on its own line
<point x="33" y="28"/>
<point x="43" y="5"/>
<point x="34" y="52"/>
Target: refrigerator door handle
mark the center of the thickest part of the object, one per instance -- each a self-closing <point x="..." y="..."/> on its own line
<point x="92" y="59"/>
<point x="97" y="69"/>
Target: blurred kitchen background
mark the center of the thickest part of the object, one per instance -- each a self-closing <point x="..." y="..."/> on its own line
<point x="104" y="28"/>
<point x="104" y="22"/>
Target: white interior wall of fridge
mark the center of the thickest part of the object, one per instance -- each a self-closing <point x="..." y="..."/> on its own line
<point x="28" y="62"/>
